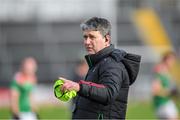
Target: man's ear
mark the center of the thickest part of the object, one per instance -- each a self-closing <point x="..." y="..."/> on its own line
<point x="107" y="39"/>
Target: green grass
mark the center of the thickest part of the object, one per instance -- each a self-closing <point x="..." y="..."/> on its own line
<point x="54" y="112"/>
<point x="140" y="111"/>
<point x="45" y="112"/>
<point x="135" y="111"/>
<point x="4" y="113"/>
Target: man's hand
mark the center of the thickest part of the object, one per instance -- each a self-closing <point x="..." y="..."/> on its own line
<point x="69" y="85"/>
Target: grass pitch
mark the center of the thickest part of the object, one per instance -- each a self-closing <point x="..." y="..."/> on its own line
<point x="135" y="111"/>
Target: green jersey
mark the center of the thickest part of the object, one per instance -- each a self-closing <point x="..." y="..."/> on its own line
<point x="24" y="90"/>
<point x="165" y="83"/>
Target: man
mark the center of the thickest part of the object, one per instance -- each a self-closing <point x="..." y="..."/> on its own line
<point x="104" y="92"/>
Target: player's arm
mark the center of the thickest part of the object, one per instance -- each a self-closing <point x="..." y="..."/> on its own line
<point x="158" y="90"/>
<point x="31" y="96"/>
<point x="14" y="99"/>
<point x="32" y="102"/>
<point x="34" y="108"/>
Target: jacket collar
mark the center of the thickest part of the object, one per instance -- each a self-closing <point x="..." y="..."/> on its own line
<point x="95" y="58"/>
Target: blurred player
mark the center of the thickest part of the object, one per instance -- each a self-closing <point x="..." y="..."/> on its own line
<point x="79" y="74"/>
<point x="80" y="71"/>
<point x="21" y="90"/>
<point x="164" y="88"/>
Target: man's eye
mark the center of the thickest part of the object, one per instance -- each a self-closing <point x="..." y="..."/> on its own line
<point x="85" y="37"/>
<point x="92" y="37"/>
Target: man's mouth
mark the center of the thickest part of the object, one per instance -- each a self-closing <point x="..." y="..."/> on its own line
<point x="88" y="48"/>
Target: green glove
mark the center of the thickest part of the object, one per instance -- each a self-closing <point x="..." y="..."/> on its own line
<point x="63" y="96"/>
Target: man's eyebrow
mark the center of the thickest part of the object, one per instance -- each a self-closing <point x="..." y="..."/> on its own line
<point x="90" y="35"/>
<point x="85" y="35"/>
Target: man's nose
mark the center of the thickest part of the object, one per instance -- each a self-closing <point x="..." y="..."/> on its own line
<point x="87" y="41"/>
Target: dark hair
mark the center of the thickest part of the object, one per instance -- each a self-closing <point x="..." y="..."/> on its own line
<point x="168" y="54"/>
<point x="97" y="24"/>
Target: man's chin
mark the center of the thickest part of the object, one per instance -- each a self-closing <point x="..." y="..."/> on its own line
<point x="90" y="52"/>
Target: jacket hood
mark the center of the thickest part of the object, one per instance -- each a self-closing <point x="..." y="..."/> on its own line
<point x="130" y="61"/>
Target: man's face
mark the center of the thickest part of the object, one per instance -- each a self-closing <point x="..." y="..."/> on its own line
<point x="94" y="41"/>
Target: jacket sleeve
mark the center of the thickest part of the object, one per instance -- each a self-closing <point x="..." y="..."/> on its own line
<point x="109" y="83"/>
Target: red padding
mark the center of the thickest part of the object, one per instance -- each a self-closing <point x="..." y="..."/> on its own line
<point x="91" y="84"/>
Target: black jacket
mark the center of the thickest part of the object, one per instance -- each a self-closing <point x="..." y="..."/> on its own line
<point x="104" y="92"/>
